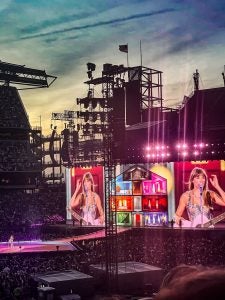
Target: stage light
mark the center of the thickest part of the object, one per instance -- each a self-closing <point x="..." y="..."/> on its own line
<point x="184" y="153"/>
<point x="86" y="116"/>
<point x="86" y="128"/>
<point x="102" y="117"/>
<point x="91" y="67"/>
<point x="94" y="103"/>
<point x="182" y="145"/>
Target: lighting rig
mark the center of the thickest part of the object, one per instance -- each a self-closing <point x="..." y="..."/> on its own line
<point x="97" y="117"/>
<point x="19" y="74"/>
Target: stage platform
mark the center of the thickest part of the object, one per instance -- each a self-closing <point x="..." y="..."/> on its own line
<point x="54" y="245"/>
<point x="64" y="244"/>
<point x="133" y="277"/>
<point x="36" y="246"/>
<point x="68" y="282"/>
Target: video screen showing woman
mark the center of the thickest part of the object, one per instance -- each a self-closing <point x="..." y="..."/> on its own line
<point x="86" y="204"/>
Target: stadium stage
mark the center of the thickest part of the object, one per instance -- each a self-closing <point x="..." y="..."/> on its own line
<point x="62" y="244"/>
<point x="36" y="246"/>
<point x="89" y="233"/>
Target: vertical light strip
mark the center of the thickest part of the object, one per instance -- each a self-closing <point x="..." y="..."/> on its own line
<point x="171" y="194"/>
<point x="68" y="191"/>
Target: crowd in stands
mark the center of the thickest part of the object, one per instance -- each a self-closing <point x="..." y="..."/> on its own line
<point x="165" y="248"/>
<point x="12" y="113"/>
<point x="162" y="248"/>
<point x="23" y="213"/>
<point x="18" y="271"/>
<point x="17" y="156"/>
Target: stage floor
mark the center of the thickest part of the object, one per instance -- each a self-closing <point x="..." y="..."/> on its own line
<point x="36" y="246"/>
<point x="54" y="245"/>
<point x="65" y="245"/>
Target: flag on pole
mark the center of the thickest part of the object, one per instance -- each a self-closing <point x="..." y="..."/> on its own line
<point x="123" y="48"/>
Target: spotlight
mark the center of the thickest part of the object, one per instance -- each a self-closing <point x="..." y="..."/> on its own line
<point x="91" y="67"/>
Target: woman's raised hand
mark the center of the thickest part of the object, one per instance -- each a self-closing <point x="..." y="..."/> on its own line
<point x="214" y="181"/>
<point x="78" y="185"/>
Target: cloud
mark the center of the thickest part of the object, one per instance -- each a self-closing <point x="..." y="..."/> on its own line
<point x="62" y="36"/>
<point x="51" y="22"/>
<point x="101" y="23"/>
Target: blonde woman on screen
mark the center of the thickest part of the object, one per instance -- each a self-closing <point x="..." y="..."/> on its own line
<point x="198" y="200"/>
<point x="88" y="201"/>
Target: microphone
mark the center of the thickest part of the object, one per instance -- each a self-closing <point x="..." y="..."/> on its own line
<point x="201" y="189"/>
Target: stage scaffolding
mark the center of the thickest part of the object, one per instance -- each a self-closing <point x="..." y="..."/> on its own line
<point x="94" y="143"/>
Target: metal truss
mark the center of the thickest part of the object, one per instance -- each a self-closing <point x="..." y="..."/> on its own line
<point x="19" y="74"/>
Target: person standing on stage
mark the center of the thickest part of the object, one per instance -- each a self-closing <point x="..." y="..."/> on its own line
<point x="11" y="241"/>
<point x="198" y="199"/>
<point x="88" y="201"/>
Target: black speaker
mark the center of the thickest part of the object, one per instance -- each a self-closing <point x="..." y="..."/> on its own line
<point x="133" y="102"/>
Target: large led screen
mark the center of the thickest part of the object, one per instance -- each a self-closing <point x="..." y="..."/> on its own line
<point x="87" y="197"/>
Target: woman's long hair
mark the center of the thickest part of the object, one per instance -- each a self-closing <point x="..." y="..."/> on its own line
<point x="194" y="173"/>
<point x="206" y="194"/>
<point x="88" y="176"/>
